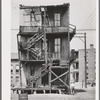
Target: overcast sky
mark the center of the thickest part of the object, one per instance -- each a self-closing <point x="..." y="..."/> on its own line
<point x="82" y="14"/>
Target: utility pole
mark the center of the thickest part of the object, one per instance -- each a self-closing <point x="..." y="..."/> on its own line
<point x="69" y="59"/>
<point x="85" y="60"/>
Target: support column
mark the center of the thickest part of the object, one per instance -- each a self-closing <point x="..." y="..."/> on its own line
<point x="69" y="61"/>
<point x="19" y="61"/>
<point x="50" y="78"/>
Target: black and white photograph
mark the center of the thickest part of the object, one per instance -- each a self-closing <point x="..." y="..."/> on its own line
<point x="53" y="52"/>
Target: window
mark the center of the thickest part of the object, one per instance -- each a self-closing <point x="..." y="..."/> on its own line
<point x="17" y="78"/>
<point x="11" y="80"/>
<point x="77" y="65"/>
<point x="11" y="67"/>
<point x="57" y="47"/>
<point x="57" y="19"/>
<point x="17" y="71"/>
<point x="77" y="77"/>
<point x="11" y="71"/>
<point x="17" y="67"/>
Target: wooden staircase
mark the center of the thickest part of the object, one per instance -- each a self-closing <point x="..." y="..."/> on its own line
<point x="44" y="70"/>
<point x="29" y="45"/>
<point x="36" y="54"/>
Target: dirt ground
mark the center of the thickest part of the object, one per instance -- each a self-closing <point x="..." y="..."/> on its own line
<point x="80" y="94"/>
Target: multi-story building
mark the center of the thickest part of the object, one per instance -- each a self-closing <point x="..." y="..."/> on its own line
<point x="91" y="64"/>
<point x="15" y="79"/>
<point x="44" y="46"/>
<point x="79" y="65"/>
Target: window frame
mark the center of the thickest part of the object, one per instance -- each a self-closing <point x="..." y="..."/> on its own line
<point x="57" y="47"/>
<point x="57" y="19"/>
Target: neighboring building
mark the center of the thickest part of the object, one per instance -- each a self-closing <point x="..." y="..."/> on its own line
<point x="74" y="68"/>
<point x="79" y="65"/>
<point x="15" y="80"/>
<point x="91" y="64"/>
<point x="43" y="45"/>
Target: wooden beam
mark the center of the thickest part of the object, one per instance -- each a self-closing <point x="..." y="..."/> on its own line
<point x="60" y="76"/>
<point x="43" y="88"/>
<point x="59" y="67"/>
<point x="50" y="78"/>
<point x="19" y="62"/>
<point x="59" y="79"/>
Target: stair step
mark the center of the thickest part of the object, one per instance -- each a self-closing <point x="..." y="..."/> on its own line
<point x="37" y="39"/>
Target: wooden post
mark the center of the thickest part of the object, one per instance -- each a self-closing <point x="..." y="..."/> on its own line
<point x="27" y="54"/>
<point x="69" y="60"/>
<point x="85" y="60"/>
<point x="50" y="78"/>
<point x="45" y="44"/>
<point x="19" y="63"/>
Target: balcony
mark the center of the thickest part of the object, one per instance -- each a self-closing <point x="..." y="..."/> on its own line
<point x="49" y="29"/>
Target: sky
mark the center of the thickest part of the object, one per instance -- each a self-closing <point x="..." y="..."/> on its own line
<point x="82" y="14"/>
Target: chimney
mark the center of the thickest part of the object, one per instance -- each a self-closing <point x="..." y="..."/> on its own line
<point x="91" y="46"/>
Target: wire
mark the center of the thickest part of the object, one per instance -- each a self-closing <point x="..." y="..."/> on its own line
<point x="92" y="25"/>
<point x="89" y="18"/>
<point x="86" y="30"/>
<point x="88" y="22"/>
<point x="91" y="22"/>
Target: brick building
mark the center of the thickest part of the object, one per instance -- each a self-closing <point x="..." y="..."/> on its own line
<point x="15" y="80"/>
<point x="79" y="65"/>
<point x="91" y="64"/>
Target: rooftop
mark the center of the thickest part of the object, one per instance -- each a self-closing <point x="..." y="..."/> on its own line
<point x="60" y="5"/>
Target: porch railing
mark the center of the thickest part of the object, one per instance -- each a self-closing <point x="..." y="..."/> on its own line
<point x="49" y="29"/>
